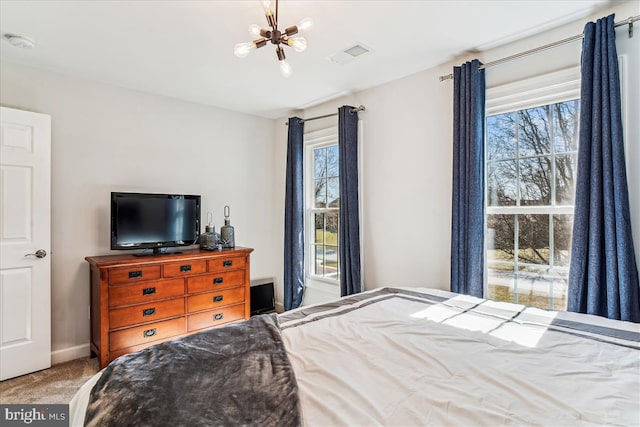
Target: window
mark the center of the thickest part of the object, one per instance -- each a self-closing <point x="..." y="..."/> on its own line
<point x="531" y="161"/>
<point x="322" y="205"/>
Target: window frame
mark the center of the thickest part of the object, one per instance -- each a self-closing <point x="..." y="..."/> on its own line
<point x="313" y="140"/>
<point x="550" y="88"/>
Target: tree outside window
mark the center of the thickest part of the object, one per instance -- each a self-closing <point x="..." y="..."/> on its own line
<point x="531" y="169"/>
<point x="325" y="212"/>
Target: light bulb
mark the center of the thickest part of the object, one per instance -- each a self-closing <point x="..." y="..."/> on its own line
<point x="297" y="43"/>
<point x="267" y="5"/>
<point x="254" y="29"/>
<point x="242" y="49"/>
<point x="285" y="68"/>
<point x="305" y="24"/>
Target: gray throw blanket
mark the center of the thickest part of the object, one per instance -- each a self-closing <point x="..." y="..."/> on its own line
<point x="237" y="375"/>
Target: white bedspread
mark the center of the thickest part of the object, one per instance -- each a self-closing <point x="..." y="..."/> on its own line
<point x="400" y="359"/>
<point x="428" y="357"/>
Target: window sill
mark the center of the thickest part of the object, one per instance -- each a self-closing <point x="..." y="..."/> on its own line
<point x="317" y="291"/>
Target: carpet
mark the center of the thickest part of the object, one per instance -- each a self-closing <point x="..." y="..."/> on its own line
<point x="57" y="384"/>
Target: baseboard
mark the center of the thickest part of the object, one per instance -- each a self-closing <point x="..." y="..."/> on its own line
<point x="70" y="353"/>
<point x="279" y="307"/>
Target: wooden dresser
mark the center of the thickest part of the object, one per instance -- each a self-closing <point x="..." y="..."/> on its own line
<point x="140" y="301"/>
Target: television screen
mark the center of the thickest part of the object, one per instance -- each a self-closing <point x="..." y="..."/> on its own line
<point x="154" y="220"/>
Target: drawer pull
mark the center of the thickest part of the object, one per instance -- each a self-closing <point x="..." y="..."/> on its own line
<point x="218" y="280"/>
<point x="149" y="333"/>
<point x="185" y="268"/>
<point x="217" y="298"/>
<point x="227" y="263"/>
<point x="218" y="316"/>
<point x="148" y="291"/>
<point x="135" y="274"/>
<point x="149" y="311"/>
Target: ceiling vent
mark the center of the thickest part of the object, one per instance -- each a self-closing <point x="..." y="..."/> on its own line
<point x="20" y="41"/>
<point x="349" y="54"/>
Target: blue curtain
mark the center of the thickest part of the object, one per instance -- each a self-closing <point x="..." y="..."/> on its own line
<point x="467" y="226"/>
<point x="349" y="244"/>
<point x="603" y="276"/>
<point x="294" y="217"/>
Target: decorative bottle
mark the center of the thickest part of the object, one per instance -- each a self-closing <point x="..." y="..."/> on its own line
<point x="210" y="240"/>
<point x="227" y="233"/>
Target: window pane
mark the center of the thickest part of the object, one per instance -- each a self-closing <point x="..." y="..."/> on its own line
<point x="534" y="285"/>
<point x="320" y="163"/>
<point x="320" y="192"/>
<point x="331" y="231"/>
<point x="326" y="261"/>
<point x="502" y="183"/>
<point x="533" y="131"/>
<point x="500" y="257"/>
<point x="319" y="228"/>
<point x="501" y="136"/>
<point x="535" y="181"/>
<point x="333" y="195"/>
<point x="565" y="126"/>
<point x="332" y="161"/>
<point x="533" y="239"/>
<point x="500" y="282"/>
<point x="560" y="285"/>
<point x="325" y="247"/>
<point x="331" y="262"/>
<point x="562" y="232"/>
<point x="500" y="238"/>
<point x="566" y="166"/>
<point x="318" y="254"/>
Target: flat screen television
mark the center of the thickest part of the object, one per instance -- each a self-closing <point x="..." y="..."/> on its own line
<point x="154" y="221"/>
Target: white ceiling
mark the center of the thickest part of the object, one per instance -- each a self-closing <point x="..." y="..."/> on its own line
<point x="184" y="49"/>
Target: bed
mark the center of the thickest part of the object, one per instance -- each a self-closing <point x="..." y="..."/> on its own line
<point x="391" y="356"/>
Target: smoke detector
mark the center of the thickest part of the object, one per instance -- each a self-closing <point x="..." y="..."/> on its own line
<point x="20" y="41"/>
<point x="350" y="53"/>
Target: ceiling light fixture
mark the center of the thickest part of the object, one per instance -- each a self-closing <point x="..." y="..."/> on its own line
<point x="276" y="37"/>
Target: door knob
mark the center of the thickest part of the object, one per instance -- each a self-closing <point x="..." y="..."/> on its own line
<point x="40" y="253"/>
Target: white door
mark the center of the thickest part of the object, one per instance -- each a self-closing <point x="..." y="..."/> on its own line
<point x="25" y="242"/>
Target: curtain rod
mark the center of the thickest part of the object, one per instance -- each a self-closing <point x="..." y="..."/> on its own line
<point x="353" y="110"/>
<point x="629" y="21"/>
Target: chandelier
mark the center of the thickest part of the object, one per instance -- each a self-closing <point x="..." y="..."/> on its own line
<point x="276" y="37"/>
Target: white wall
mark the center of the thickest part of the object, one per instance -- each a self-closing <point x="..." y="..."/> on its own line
<point x="109" y="139"/>
<point x="405" y="180"/>
<point x="407" y="156"/>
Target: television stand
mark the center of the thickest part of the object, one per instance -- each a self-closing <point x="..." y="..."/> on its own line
<point x="137" y="302"/>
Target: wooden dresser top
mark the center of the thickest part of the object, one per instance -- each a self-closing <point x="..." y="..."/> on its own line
<point x="123" y="260"/>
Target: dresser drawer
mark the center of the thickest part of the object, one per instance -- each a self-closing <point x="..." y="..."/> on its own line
<point x="120" y="276"/>
<point x="179" y="269"/>
<point x="214" y="299"/>
<point x="211" y="318"/>
<point x="145" y="292"/>
<point x="159" y="310"/>
<point x="224" y="264"/>
<point x="147" y="333"/>
<point x="214" y="282"/>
